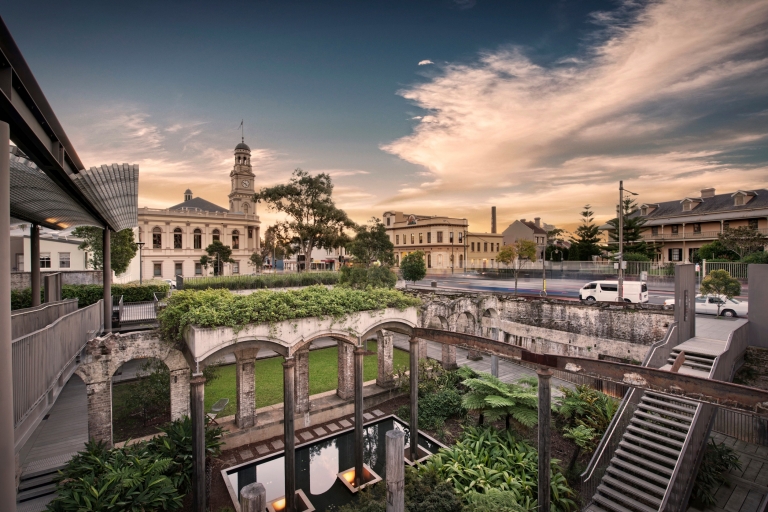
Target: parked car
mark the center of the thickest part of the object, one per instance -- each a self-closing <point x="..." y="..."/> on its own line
<point x="171" y="283"/>
<point x="707" y="305"/>
<point x="608" y="291"/>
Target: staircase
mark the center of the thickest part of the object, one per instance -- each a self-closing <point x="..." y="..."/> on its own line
<point x="638" y="475"/>
<point x="36" y="490"/>
<point x="698" y="361"/>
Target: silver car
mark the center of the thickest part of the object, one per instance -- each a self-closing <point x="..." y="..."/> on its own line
<point x="708" y="305"/>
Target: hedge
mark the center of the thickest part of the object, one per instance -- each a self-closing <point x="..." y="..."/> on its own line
<point x="88" y="294"/>
<point x="261" y="281"/>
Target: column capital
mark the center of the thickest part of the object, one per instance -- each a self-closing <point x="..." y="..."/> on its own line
<point x="290" y="362"/>
<point x="197" y="378"/>
<point x="413" y="340"/>
<point x="544" y="373"/>
<point x="359" y="350"/>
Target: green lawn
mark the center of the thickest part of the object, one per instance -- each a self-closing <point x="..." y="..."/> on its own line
<point x="323" y="376"/>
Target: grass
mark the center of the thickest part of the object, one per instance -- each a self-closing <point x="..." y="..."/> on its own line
<point x="323" y="376"/>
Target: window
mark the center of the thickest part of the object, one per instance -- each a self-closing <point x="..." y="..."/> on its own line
<point x="609" y="287"/>
<point x="177" y="238"/>
<point x="177" y="269"/>
<point x="497" y="246"/>
<point x="701" y="300"/>
<point x="216" y="235"/>
<point x="157" y="238"/>
<point x="752" y="223"/>
<point x="439" y="237"/>
<point x="198" y="238"/>
<point x="461" y="261"/>
<point x="675" y="229"/>
<point x="198" y="269"/>
<point x="63" y="260"/>
<point x="236" y="267"/>
<point x="738" y="200"/>
<point x="245" y="208"/>
<point x="397" y="238"/>
<point x="429" y="237"/>
<point x="388" y="219"/>
<point x="45" y="260"/>
<point x="485" y="246"/>
<point x="726" y="224"/>
<point x="461" y="237"/>
<point x="157" y="269"/>
<point x="675" y="254"/>
<point x="450" y="237"/>
<point x="644" y="211"/>
<point x="473" y="247"/>
<point x="413" y="238"/>
<point x="655" y="230"/>
<point x="235" y="239"/>
<point x="429" y="260"/>
<point x="591" y="286"/>
<point x="697" y="228"/>
<point x="421" y="238"/>
<point x="250" y="232"/>
<point x="687" y="206"/>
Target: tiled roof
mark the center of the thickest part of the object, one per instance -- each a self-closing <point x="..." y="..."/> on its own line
<point x="716" y="204"/>
<point x="536" y="229"/>
<point x="198" y="203"/>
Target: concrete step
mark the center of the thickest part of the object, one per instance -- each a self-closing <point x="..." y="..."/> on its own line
<point x="656" y="428"/>
<point x="693" y="364"/>
<point x="646" y="416"/>
<point x="663" y="404"/>
<point x="699" y="358"/>
<point x="660" y="438"/>
<point x="650" y="443"/>
<point x="659" y="396"/>
<point x="664" y="463"/>
<point x="35" y="505"/>
<point x="36" y="492"/>
<point x="665" y="412"/>
<point x="29" y="483"/>
<point x="627" y="465"/>
<point x="637" y="482"/>
<point x="624" y="499"/>
<point x="632" y="491"/>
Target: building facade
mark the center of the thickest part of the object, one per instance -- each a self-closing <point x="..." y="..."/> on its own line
<point x="446" y="242"/>
<point x="175" y="238"/>
<point x="680" y="227"/>
<point x="57" y="251"/>
<point x="526" y="230"/>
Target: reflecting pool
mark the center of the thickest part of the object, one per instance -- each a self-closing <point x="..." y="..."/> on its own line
<point x="318" y="463"/>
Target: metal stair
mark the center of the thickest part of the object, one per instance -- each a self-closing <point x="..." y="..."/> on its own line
<point x="36" y="490"/>
<point x="693" y="360"/>
<point x="639" y="473"/>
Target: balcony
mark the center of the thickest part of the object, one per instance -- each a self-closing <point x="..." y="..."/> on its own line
<point x="701" y="235"/>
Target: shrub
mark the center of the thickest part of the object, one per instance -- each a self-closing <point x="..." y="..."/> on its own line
<point x="217" y="308"/>
<point x="718" y="459"/>
<point x="435" y="408"/>
<point x="756" y="257"/>
<point x="496" y="399"/>
<point x="588" y="407"/>
<point x="633" y="256"/>
<point x="361" y="278"/>
<point x="261" y="281"/>
<point x="494" y="500"/>
<point x="88" y="294"/>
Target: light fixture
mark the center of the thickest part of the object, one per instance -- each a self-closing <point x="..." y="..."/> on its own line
<point x="302" y="503"/>
<point x="347" y="477"/>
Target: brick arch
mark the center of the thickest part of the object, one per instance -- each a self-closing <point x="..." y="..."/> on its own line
<point x="438" y="322"/>
<point x="464" y="322"/>
<point x="106" y="354"/>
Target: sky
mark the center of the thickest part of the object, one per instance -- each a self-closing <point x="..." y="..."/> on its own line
<point x="434" y="107"/>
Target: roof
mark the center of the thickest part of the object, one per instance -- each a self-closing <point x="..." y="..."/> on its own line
<point x="187" y="191"/>
<point x="242" y="145"/>
<point x="715" y="204"/>
<point x="536" y="229"/>
<point x="198" y="203"/>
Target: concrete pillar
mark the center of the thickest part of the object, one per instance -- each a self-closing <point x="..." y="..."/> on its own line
<point x="414" y="426"/>
<point x="302" y="383"/>
<point x="179" y="394"/>
<point x="107" y="281"/>
<point x="7" y="452"/>
<point x="395" y="471"/>
<point x="385" y="352"/>
<point x="449" y="357"/>
<point x="346" y="385"/>
<point x="289" y="375"/>
<point x="197" y="402"/>
<point x="245" y="384"/>
<point x="100" y="411"/>
<point x="423" y="349"/>
<point x="495" y="366"/>
<point x="545" y="446"/>
<point x="34" y="263"/>
<point x="253" y="498"/>
<point x="359" y="427"/>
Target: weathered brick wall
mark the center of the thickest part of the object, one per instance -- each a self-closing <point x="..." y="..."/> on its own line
<point x="21" y="280"/>
<point x="385" y="353"/>
<point x="100" y="411"/>
<point x="346" y="386"/>
<point x="755" y="370"/>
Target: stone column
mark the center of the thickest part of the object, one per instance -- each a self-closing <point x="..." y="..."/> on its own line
<point x="107" y="281"/>
<point x="423" y="349"/>
<point x="545" y="441"/>
<point x="384" y="349"/>
<point x="346" y="371"/>
<point x="100" y="411"/>
<point x="197" y="402"/>
<point x="395" y="471"/>
<point x="359" y="427"/>
<point x="449" y="357"/>
<point x="253" y="498"/>
<point x="245" y="383"/>
<point x="7" y="452"/>
<point x="302" y="383"/>
<point x="289" y="375"/>
<point x="179" y="394"/>
<point x="414" y="426"/>
<point x="34" y="263"/>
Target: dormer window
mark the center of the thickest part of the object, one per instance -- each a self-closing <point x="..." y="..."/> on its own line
<point x="689" y="203"/>
<point x="738" y="200"/>
<point x="742" y="197"/>
<point x="644" y="211"/>
<point x="687" y="206"/>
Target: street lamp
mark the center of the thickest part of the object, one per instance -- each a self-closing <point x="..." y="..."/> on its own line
<point x="621" y="238"/>
<point x="141" y="266"/>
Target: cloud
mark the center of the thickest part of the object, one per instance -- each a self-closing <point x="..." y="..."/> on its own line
<point x="339" y="173"/>
<point x="425" y="62"/>
<point x="649" y="100"/>
<point x="465" y="4"/>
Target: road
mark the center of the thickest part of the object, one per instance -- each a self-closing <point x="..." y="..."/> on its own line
<point x="556" y="288"/>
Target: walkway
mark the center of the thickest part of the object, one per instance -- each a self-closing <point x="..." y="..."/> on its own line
<point x="747" y="488"/>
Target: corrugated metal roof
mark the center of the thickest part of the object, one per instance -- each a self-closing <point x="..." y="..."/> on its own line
<point x="114" y="192"/>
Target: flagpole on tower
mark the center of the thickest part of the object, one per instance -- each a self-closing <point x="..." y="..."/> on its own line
<point x="242" y="130"/>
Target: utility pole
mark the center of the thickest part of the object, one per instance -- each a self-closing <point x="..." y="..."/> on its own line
<point x="140" y="244"/>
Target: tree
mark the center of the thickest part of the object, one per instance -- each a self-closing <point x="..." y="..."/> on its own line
<point x="713" y="251"/>
<point x="218" y="254"/>
<point x="633" y="232"/>
<point x="375" y="276"/>
<point x="412" y="266"/>
<point x="585" y="243"/>
<point x="276" y="244"/>
<point x="313" y="218"/>
<point x="122" y="247"/>
<point x="495" y="399"/>
<point x="515" y="254"/>
<point x="372" y="244"/>
<point x="720" y="282"/>
<point x="256" y="260"/>
<point x="742" y="240"/>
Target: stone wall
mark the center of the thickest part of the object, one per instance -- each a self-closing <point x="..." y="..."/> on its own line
<point x="21" y="280"/>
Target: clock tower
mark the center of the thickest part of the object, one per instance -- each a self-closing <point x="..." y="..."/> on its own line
<point x="241" y="194"/>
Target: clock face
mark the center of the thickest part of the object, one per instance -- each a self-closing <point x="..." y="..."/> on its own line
<point x="245" y="183"/>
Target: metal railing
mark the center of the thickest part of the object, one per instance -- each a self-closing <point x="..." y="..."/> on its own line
<point x="25" y="321"/>
<point x="737" y="270"/>
<point x="136" y="312"/>
<point x="593" y="475"/>
<point x="40" y="357"/>
<point x="750" y="428"/>
<point x="689" y="235"/>
<point x="613" y="389"/>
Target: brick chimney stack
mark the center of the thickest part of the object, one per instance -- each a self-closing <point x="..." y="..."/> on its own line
<point x="493" y="219"/>
<point x="707" y="192"/>
<point x="537" y="221"/>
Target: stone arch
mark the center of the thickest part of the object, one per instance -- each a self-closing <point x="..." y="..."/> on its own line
<point x="438" y="322"/>
<point x="465" y="322"/>
<point x="490" y="326"/>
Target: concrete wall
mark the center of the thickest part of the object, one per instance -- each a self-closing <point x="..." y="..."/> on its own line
<point x="21" y="280"/>
<point x="758" y="305"/>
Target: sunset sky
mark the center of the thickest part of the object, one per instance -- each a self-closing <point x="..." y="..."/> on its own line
<point x="432" y="107"/>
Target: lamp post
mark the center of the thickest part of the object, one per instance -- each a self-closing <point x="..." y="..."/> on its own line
<point x="621" y="238"/>
<point x="141" y="265"/>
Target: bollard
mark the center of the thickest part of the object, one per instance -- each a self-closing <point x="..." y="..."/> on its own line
<point x="395" y="471"/>
<point x="253" y="498"/>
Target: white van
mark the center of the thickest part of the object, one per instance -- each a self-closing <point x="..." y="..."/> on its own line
<point x="608" y="291"/>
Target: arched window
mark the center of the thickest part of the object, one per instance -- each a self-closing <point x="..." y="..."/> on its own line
<point x="245" y="208"/>
<point x="216" y="235"/>
<point x="157" y="238"/>
<point x="177" y="238"/>
<point x="198" y="238"/>
<point x="235" y="239"/>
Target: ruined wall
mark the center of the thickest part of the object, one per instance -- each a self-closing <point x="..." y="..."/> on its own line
<point x="21" y="280"/>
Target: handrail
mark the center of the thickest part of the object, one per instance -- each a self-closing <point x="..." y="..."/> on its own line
<point x="28" y="320"/>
